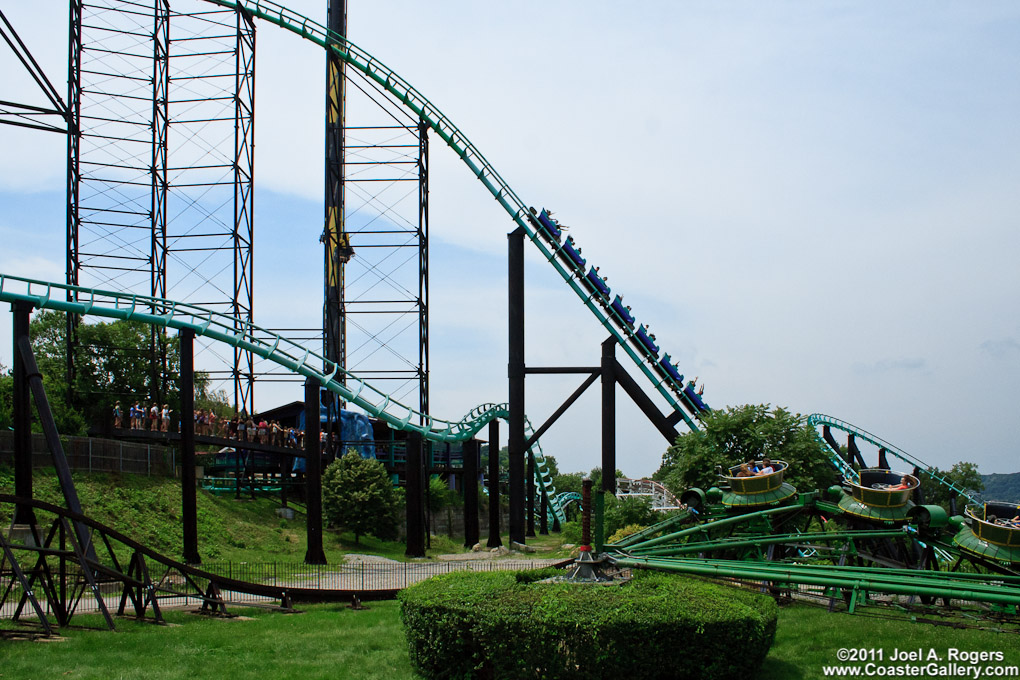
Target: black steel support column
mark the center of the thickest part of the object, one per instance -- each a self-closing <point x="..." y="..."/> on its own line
<point x="189" y="511"/>
<point x="414" y="477"/>
<point x="609" y="416"/>
<point x="494" y="540"/>
<point x="471" y="531"/>
<point x="851" y="447"/>
<point x="543" y="514"/>
<point x="647" y="406"/>
<point x="834" y="445"/>
<point x="73" y="178"/>
<point x="49" y="427"/>
<point x="530" y="505"/>
<point x="919" y="491"/>
<point x="883" y="461"/>
<point x="334" y="237"/>
<point x="515" y="373"/>
<point x="313" y="475"/>
<point x="22" y="419"/>
<point x="423" y="267"/>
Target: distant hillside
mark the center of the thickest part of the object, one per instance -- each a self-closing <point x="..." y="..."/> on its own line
<point x="1002" y="487"/>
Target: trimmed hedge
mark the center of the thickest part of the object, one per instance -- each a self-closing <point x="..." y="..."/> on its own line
<point x="505" y="625"/>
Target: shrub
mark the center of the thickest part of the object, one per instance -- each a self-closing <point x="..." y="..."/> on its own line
<point x="505" y="625"/>
<point x="357" y="496"/>
<point x="625" y="532"/>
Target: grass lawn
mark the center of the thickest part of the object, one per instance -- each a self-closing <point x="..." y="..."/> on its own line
<point x="332" y="641"/>
<point x="808" y="638"/>
<point x="326" y="641"/>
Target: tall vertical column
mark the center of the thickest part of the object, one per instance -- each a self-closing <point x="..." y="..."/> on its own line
<point x="494" y="540"/>
<point x="160" y="130"/>
<point x="529" y="509"/>
<point x="515" y="373"/>
<point x="423" y="268"/>
<point x="543" y="514"/>
<point x="189" y="512"/>
<point x="414" y="480"/>
<point x="313" y="475"/>
<point x="73" y="179"/>
<point x="334" y="237"/>
<point x="243" y="233"/>
<point x="471" y="532"/>
<point x="22" y="419"/>
<point x="609" y="416"/>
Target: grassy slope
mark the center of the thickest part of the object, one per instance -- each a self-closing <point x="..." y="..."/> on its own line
<point x="148" y="510"/>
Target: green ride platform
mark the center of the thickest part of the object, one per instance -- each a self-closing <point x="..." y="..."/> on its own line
<point x="968" y="541"/>
<point x="771" y="497"/>
<point x="852" y="506"/>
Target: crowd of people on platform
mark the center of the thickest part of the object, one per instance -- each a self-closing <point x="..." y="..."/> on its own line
<point x="207" y="423"/>
<point x="155" y="418"/>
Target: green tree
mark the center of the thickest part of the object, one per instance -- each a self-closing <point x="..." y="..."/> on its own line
<point x="742" y="433"/>
<point x="357" y="496"/>
<point x="6" y="398"/>
<point x="570" y="481"/>
<point x="596" y="478"/>
<point x="113" y="361"/>
<point x="629" y="510"/>
<point x="441" y="496"/>
<point x="551" y="466"/>
<point x="963" y="474"/>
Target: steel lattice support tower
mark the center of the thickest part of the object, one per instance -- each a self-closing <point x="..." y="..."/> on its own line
<point x="161" y="159"/>
<point x="73" y="175"/>
<point x="158" y="172"/>
<point x="244" y="216"/>
<point x="423" y="266"/>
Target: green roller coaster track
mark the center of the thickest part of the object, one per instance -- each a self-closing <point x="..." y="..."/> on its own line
<point x="268" y="345"/>
<point x="816" y="420"/>
<point x="413" y="100"/>
<point x="484" y="171"/>
<point x="378" y="404"/>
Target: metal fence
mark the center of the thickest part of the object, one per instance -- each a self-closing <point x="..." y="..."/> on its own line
<point x="100" y="455"/>
<point x="384" y="575"/>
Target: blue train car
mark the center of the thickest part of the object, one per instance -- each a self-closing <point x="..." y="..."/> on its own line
<point x="623" y="312"/>
<point x="574" y="255"/>
<point x="646" y="340"/>
<point x="597" y="283"/>
<point x="667" y="365"/>
<point x="550" y="225"/>
<point x="695" y="398"/>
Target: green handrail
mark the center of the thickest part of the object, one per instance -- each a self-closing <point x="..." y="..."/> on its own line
<point x="816" y="420"/>
<point x="413" y="100"/>
<point x="268" y="345"/>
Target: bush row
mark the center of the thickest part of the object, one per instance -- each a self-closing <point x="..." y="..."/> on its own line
<point x="507" y="625"/>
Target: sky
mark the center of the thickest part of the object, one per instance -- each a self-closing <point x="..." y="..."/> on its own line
<point x="813" y="205"/>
